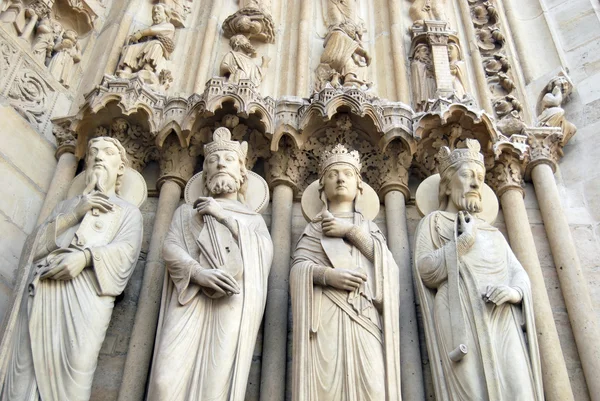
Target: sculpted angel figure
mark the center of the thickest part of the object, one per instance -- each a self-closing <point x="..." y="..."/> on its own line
<point x="84" y="255"/>
<point x="146" y="48"/>
<point x="474" y="294"/>
<point x="345" y="297"/>
<point x="218" y="254"/>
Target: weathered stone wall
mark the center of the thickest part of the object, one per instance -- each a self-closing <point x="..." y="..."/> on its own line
<point x="27" y="164"/>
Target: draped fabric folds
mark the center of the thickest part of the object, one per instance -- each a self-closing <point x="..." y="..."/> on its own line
<point x="503" y="361"/>
<point x="63" y="323"/>
<point x="346" y="344"/>
<point x="204" y="346"/>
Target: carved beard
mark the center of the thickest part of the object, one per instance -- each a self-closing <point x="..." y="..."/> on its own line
<point x="95" y="179"/>
<point x="223" y="183"/>
<point x="470" y="203"/>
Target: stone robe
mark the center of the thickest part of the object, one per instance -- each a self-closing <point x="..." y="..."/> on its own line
<point x="237" y="66"/>
<point x="204" y="345"/>
<point x="63" y="323"/>
<point x="151" y="51"/>
<point x="346" y="344"/>
<point x="503" y="360"/>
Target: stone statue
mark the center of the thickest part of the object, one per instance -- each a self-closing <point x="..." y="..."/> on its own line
<point x="345" y="297"/>
<point x="344" y="55"/>
<point x="218" y="254"/>
<point x="458" y="70"/>
<point x="475" y="296"/>
<point x="238" y="63"/>
<point x="423" y="77"/>
<point x="427" y="10"/>
<point x="553" y="115"/>
<point x="84" y="254"/>
<point x="46" y="35"/>
<point x="145" y="55"/>
<point x="66" y="56"/>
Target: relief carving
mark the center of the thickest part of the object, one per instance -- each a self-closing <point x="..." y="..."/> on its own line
<point x="422" y="77"/>
<point x="148" y="48"/>
<point x="344" y="59"/>
<point x="66" y="54"/>
<point x="552" y="114"/>
<point x="238" y="65"/>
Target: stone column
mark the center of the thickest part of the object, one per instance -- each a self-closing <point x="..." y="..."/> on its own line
<point x="303" y="48"/>
<point x="274" y="358"/>
<point x="398" y="51"/>
<point x="506" y="178"/>
<point x="64" y="173"/>
<point x="176" y="169"/>
<point x="395" y="192"/>
<point x="208" y="43"/>
<point x="546" y="144"/>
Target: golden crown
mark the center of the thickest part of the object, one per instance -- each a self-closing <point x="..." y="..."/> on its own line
<point x="222" y="141"/>
<point x="472" y="153"/>
<point x="340" y="154"/>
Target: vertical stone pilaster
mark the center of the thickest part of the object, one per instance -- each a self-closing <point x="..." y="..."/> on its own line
<point x="176" y="169"/>
<point x="546" y="144"/>
<point x="506" y="178"/>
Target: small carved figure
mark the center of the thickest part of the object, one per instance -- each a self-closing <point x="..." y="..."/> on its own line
<point x="423" y="77"/>
<point x="553" y="115"/>
<point x="474" y="294"/>
<point x="156" y="46"/>
<point x="427" y="10"/>
<point x="344" y="55"/>
<point x="176" y="10"/>
<point x="83" y="257"/>
<point x="66" y="56"/>
<point x="238" y="63"/>
<point x="508" y="109"/>
<point x="457" y="69"/>
<point x="218" y="254"/>
<point x="345" y="295"/>
<point x="46" y="35"/>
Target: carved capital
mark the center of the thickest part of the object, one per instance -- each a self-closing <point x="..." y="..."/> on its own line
<point x="509" y="165"/>
<point x="287" y="166"/>
<point x="176" y="163"/>
<point x="546" y="147"/>
<point x="66" y="140"/>
<point x="394" y="170"/>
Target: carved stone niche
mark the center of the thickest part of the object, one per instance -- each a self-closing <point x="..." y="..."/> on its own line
<point x="450" y="124"/>
<point x="201" y="122"/>
<point x="132" y="130"/>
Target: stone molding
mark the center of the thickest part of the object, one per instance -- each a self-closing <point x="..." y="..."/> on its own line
<point x="546" y="145"/>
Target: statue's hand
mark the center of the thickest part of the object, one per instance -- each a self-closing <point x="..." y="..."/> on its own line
<point x="343" y="279"/>
<point x="217" y="280"/>
<point x="333" y="227"/>
<point x="499" y="294"/>
<point x="466" y="224"/>
<point x="91" y="201"/>
<point x="134" y="38"/>
<point x="66" y="266"/>
<point x="208" y="205"/>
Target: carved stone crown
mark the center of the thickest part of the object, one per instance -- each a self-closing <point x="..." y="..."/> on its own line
<point x="222" y="141"/>
<point x="472" y="153"/>
<point x="340" y="154"/>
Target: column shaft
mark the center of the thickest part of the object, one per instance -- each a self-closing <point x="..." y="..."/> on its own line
<point x="554" y="370"/>
<point x="274" y="361"/>
<point x="398" y="52"/>
<point x="141" y="344"/>
<point x="63" y="175"/>
<point x="410" y="354"/>
<point x="208" y="43"/>
<point x="572" y="282"/>
<point x="303" y="48"/>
